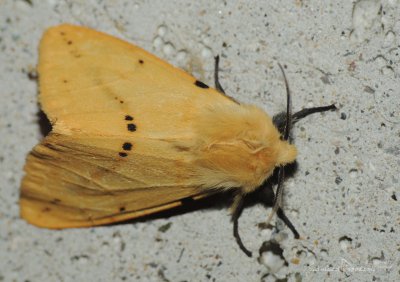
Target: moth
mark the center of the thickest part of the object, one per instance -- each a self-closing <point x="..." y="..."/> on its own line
<point x="132" y="135"/>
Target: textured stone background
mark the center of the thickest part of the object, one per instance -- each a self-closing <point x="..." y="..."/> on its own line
<point x="344" y="197"/>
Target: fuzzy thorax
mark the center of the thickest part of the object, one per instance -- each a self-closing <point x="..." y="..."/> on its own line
<point x="238" y="146"/>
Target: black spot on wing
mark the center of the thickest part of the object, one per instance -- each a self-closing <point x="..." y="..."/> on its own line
<point x="119" y="100"/>
<point x="200" y="84"/>
<point x="128" y="117"/>
<point x="73" y="51"/>
<point x="141" y="62"/>
<point x="127" y="146"/>
<point x="122" y="154"/>
<point x="122" y="209"/>
<point x="131" y="127"/>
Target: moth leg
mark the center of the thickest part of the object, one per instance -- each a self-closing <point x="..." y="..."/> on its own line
<point x="289" y="224"/>
<point x="216" y="77"/>
<point x="279" y="120"/>
<point x="267" y="196"/>
<point x="236" y="210"/>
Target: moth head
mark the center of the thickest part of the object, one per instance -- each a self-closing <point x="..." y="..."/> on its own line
<point x="286" y="153"/>
<point x="273" y="152"/>
<point x="282" y="153"/>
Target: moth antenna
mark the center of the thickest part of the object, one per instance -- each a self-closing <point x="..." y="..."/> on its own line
<point x="286" y="220"/>
<point x="236" y="209"/>
<point x="308" y="111"/>
<point x="288" y="122"/>
<point x="288" y="106"/>
<point x="279" y="119"/>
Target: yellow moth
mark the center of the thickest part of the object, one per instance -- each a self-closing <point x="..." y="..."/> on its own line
<point x="132" y="135"/>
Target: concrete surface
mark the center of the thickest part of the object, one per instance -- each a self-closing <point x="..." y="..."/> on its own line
<point x="344" y="197"/>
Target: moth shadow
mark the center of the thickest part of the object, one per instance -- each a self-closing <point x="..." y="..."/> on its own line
<point x="44" y="123"/>
<point x="216" y="201"/>
<point x="265" y="195"/>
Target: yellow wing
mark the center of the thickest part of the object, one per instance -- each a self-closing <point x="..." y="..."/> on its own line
<point x="92" y="83"/>
<point x="78" y="182"/>
<point x="117" y="114"/>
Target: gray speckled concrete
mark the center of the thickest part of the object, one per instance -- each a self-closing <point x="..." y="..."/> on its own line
<point x="344" y="198"/>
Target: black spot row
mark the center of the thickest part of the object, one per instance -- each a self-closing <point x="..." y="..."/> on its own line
<point x="130" y="126"/>
<point x="127" y="146"/>
<point x="200" y="84"/>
